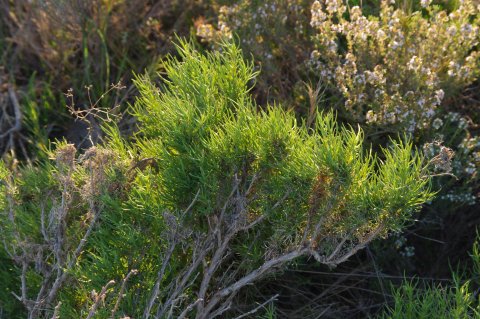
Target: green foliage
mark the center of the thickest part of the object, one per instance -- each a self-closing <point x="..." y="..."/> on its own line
<point x="207" y="130"/>
<point x="412" y="300"/>
<point x="39" y="105"/>
<point x="10" y="282"/>
<point x="203" y="130"/>
<point x="204" y="155"/>
<point x="433" y="302"/>
<point x="357" y="63"/>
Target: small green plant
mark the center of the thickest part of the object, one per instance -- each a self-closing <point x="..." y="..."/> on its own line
<point x="209" y="197"/>
<point x="458" y="300"/>
<point x="411" y="301"/>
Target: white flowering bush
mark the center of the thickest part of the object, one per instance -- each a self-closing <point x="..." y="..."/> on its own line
<point x="395" y="70"/>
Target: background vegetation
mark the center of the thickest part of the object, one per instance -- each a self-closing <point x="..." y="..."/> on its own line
<point x="314" y="126"/>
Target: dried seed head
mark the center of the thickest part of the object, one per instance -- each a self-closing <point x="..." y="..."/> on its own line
<point x="97" y="161"/>
<point x="442" y="156"/>
<point x="65" y="156"/>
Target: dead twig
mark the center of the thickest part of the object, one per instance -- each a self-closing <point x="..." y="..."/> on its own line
<point x="99" y="298"/>
<point x="122" y="289"/>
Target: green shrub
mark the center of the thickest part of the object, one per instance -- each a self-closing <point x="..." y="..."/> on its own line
<point x="210" y="196"/>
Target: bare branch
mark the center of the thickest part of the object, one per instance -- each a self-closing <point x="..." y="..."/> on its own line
<point x="249" y="278"/>
<point x="188" y="309"/>
<point x="262" y="305"/>
<point x="99" y="298"/>
<point x="156" y="288"/>
<point x="122" y="289"/>
<point x="17" y="113"/>
<point x="56" y="311"/>
<point x="354" y="250"/>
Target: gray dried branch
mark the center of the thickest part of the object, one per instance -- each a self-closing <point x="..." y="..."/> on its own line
<point x="18" y="115"/>
<point x="122" y="290"/>
<point x="99" y="298"/>
<point x="260" y="306"/>
<point x="54" y="240"/>
<point x="10" y="121"/>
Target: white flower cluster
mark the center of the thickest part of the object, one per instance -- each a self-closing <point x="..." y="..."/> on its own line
<point x="425" y="3"/>
<point x="318" y="15"/>
<point x="401" y="245"/>
<point x="464" y="198"/>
